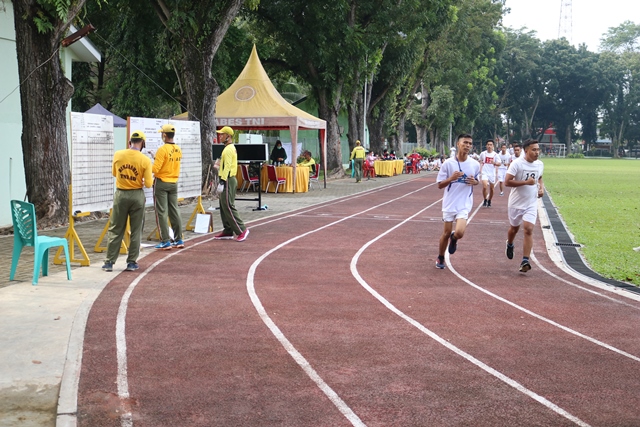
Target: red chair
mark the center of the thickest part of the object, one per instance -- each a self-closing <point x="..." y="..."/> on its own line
<point x="415" y="165"/>
<point x="368" y="170"/>
<point x="408" y="167"/>
<point x="247" y="181"/>
<point x="314" y="177"/>
<point x="273" y="177"/>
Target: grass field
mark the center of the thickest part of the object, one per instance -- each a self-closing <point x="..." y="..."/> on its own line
<point x="599" y="200"/>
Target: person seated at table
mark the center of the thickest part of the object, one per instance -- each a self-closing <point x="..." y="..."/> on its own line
<point x="385" y="155"/>
<point x="278" y="154"/>
<point x="371" y="158"/>
<point x="308" y="161"/>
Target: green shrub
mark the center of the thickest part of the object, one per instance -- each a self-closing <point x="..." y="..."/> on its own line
<point x="427" y="153"/>
<point x="576" y="156"/>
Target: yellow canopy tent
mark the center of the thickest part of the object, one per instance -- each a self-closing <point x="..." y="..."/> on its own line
<point x="253" y="103"/>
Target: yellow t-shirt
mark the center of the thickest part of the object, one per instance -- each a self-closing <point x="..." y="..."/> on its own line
<point x="358" y="152"/>
<point x="228" y="162"/>
<point x="166" y="165"/>
<point x="308" y="163"/>
<point x="132" y="170"/>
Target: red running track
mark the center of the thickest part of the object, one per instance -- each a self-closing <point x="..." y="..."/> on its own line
<point x="336" y="315"/>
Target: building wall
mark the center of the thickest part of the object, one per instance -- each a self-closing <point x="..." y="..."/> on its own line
<point x="11" y="165"/>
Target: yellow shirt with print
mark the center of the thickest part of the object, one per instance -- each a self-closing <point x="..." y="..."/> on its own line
<point x="358" y="152"/>
<point x="166" y="166"/>
<point x="132" y="170"/>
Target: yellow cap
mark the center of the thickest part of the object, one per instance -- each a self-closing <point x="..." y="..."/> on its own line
<point x="167" y="128"/>
<point x="226" y="130"/>
<point x="138" y="134"/>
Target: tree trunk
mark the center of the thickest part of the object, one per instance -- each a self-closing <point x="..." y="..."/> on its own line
<point x="328" y="111"/>
<point x="421" y="136"/>
<point x="617" y="140"/>
<point x="44" y="94"/>
<point x="567" y="137"/>
<point x="396" y="144"/>
<point x="421" y="131"/>
<point x="201" y="91"/>
<point x="376" y="129"/>
<point x="354" y="114"/>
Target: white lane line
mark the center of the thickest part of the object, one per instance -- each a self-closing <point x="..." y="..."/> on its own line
<point x="354" y="271"/>
<point x="575" y="285"/>
<point x="539" y="317"/>
<point x="340" y="404"/>
<point x="122" y="379"/>
<point x="533" y="314"/>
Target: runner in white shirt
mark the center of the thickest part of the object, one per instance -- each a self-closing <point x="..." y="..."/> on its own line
<point x="516" y="152"/>
<point x="525" y="178"/>
<point x="457" y="176"/>
<point x="488" y="161"/>
<point x="505" y="161"/>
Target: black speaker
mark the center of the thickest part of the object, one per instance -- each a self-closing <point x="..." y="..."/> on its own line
<point x="246" y="152"/>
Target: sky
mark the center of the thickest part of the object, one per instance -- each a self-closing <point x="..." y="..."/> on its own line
<point x="590" y="18"/>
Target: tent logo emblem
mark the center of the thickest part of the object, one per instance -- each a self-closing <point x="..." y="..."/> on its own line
<point x="245" y="93"/>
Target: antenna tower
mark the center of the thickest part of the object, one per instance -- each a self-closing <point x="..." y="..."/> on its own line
<point x="566" y="21"/>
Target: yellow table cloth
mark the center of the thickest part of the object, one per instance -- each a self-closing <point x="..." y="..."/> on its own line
<point x="388" y="167"/>
<point x="286" y="173"/>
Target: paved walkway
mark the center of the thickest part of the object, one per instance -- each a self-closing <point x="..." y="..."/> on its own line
<point x="43" y="324"/>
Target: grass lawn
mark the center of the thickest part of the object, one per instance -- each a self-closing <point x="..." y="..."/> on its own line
<point x="599" y="200"/>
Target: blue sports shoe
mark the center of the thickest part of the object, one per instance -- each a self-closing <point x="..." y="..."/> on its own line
<point x="132" y="266"/>
<point x="108" y="266"/>
<point x="164" y="246"/>
<point x="440" y="263"/>
<point x="178" y="244"/>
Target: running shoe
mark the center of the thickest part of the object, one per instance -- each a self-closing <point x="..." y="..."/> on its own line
<point x="440" y="263"/>
<point x="108" y="266"/>
<point x="484" y="204"/>
<point x="223" y="236"/>
<point x="453" y="244"/>
<point x="132" y="266"/>
<point x="243" y="235"/>
<point x="164" y="246"/>
<point x="502" y="193"/>
<point x="525" y="266"/>
<point x="488" y="203"/>
<point x="509" y="250"/>
<point x="178" y="244"/>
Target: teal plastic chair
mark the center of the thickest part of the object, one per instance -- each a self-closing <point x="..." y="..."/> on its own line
<point x="25" y="233"/>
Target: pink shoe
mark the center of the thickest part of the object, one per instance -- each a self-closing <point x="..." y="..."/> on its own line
<point x="243" y="235"/>
<point x="223" y="236"/>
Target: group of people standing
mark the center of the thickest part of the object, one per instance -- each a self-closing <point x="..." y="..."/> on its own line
<point x="521" y="172"/>
<point x="133" y="170"/>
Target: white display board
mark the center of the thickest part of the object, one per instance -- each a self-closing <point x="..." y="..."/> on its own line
<point x="187" y="138"/>
<point x="92" y="150"/>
